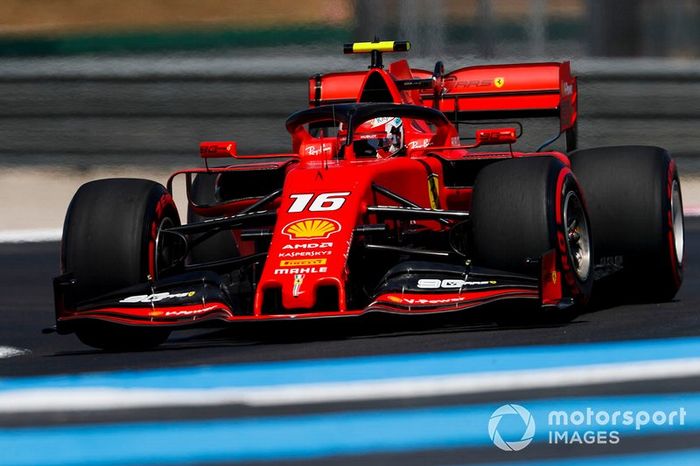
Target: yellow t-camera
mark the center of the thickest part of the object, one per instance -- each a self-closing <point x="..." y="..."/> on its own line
<point x="380" y="46"/>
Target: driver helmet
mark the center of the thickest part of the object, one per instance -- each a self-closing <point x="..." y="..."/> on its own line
<point x="379" y="137"/>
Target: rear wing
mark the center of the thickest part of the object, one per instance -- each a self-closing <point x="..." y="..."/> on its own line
<point x="491" y="92"/>
<point x="507" y="91"/>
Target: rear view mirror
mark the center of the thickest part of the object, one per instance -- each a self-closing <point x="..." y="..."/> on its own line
<point x="493" y="136"/>
<point x="214" y="150"/>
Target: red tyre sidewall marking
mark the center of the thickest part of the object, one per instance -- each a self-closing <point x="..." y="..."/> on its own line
<point x="675" y="266"/>
<point x="165" y="201"/>
<point x="566" y="266"/>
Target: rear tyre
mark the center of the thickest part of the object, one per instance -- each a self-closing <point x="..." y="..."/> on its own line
<point x="221" y="245"/>
<point x="636" y="210"/>
<point x="109" y="239"/>
<point x="522" y="208"/>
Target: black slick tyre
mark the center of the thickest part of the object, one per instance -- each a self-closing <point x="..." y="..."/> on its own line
<point x="109" y="238"/>
<point x="636" y="210"/>
<point x="523" y="208"/>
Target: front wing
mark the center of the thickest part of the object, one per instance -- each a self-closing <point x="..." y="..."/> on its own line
<point x="197" y="298"/>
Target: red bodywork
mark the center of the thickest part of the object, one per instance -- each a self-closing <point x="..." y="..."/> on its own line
<point x="326" y="199"/>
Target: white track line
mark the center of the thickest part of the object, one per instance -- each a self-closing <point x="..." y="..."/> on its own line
<point x="31" y="236"/>
<point x="10" y="352"/>
<point x="97" y="398"/>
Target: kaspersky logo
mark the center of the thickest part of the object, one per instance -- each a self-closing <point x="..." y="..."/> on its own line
<point x="311" y="228"/>
<point x="524" y="421"/>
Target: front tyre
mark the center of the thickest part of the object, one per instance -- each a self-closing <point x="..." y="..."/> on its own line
<point x="523" y="208"/>
<point x="109" y="242"/>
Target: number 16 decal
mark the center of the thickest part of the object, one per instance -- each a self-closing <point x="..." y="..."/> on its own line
<point x="324" y="202"/>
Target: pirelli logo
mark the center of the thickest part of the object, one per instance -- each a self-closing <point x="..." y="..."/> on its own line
<point x="302" y="262"/>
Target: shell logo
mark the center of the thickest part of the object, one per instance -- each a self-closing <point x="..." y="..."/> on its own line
<point x="311" y="228"/>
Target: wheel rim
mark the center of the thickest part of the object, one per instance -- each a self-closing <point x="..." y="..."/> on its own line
<point x="578" y="239"/>
<point x="677" y="218"/>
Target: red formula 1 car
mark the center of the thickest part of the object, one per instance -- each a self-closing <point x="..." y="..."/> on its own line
<point x="380" y="206"/>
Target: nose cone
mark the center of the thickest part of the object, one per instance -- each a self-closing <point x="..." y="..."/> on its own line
<point x="305" y="269"/>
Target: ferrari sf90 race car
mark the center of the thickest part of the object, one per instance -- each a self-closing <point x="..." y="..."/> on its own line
<point x="382" y="204"/>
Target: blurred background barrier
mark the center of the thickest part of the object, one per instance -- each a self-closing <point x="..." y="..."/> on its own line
<point x="134" y="110"/>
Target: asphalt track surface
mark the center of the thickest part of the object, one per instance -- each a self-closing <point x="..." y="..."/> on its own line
<point x="26" y="308"/>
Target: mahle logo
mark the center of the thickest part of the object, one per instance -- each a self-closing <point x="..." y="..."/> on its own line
<point x="528" y="427"/>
